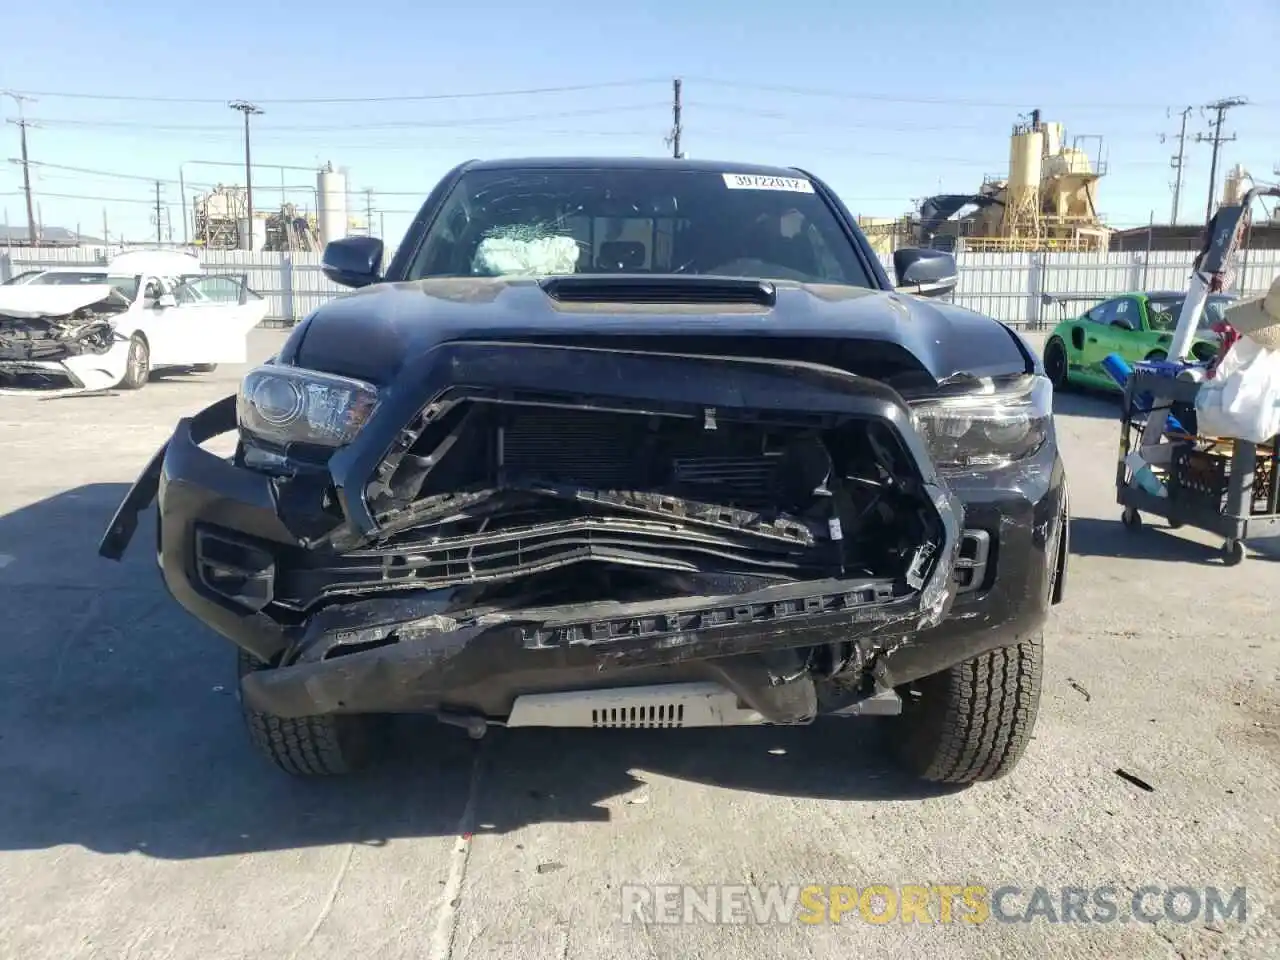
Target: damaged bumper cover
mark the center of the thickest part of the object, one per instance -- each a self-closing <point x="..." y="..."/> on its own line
<point x="433" y="651"/>
<point x="79" y="350"/>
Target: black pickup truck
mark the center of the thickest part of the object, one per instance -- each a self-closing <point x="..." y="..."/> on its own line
<point x="627" y="443"/>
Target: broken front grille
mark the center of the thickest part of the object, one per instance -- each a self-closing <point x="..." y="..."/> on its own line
<point x="524" y="545"/>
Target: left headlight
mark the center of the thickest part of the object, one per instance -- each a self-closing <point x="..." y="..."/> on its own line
<point x="985" y="430"/>
<point x="286" y="405"/>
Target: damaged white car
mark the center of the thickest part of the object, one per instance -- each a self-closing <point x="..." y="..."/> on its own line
<point x="111" y="327"/>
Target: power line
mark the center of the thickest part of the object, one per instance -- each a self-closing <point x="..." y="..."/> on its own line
<point x="397" y="98"/>
<point x="1177" y="162"/>
<point x="1220" y="108"/>
<point x="611" y="85"/>
<point x="88" y="197"/>
<point x="938" y="101"/>
<point x="699" y="106"/>
<point x="88" y="172"/>
<point x="385" y="125"/>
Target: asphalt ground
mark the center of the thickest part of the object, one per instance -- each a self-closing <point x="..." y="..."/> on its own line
<point x="137" y="822"/>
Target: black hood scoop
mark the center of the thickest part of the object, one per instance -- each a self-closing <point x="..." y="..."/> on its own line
<point x="662" y="289"/>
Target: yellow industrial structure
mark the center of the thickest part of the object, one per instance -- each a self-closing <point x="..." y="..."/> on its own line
<point x="1048" y="200"/>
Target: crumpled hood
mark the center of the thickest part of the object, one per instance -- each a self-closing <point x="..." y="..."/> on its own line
<point x="29" y="302"/>
<point x="369" y="334"/>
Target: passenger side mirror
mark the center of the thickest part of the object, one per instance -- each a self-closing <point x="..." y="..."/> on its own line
<point x="926" y="273"/>
<point x="353" y="261"/>
<point x="166" y="300"/>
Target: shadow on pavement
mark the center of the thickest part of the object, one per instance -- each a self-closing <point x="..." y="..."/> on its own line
<point x="120" y="730"/>
<point x="1078" y="403"/>
<point x="1155" y="540"/>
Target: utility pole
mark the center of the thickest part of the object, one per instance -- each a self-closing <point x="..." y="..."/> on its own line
<point x="1220" y="107"/>
<point x="1178" y="163"/>
<point x="368" y="211"/>
<point x="248" y="109"/>
<point x="159" y="220"/>
<point x="677" y="127"/>
<point x="22" y="123"/>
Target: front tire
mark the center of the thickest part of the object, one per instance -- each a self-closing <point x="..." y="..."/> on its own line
<point x="320" y="746"/>
<point x="137" y="368"/>
<point x="972" y="722"/>
<point x="1055" y="364"/>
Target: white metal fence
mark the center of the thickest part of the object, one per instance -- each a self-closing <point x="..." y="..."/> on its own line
<point x="1025" y="289"/>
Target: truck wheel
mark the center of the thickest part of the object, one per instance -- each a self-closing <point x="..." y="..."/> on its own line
<point x="307" y="746"/>
<point x="972" y="722"/>
<point x="137" y="369"/>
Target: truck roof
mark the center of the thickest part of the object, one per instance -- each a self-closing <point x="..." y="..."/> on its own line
<point x="632" y="163"/>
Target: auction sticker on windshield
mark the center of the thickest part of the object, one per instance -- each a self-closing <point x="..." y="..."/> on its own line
<point x="755" y="181"/>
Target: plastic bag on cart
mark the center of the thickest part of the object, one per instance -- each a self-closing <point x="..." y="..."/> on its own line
<point x="1242" y="401"/>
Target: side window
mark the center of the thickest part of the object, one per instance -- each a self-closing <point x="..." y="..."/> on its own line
<point x="1162" y="315"/>
<point x="209" y="290"/>
<point x="1126" y="313"/>
<point x="1103" y="313"/>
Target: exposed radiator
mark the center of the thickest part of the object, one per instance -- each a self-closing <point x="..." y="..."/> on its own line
<point x="627" y="451"/>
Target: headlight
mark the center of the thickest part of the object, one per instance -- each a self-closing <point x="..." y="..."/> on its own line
<point x="284" y="405"/>
<point x="977" y="431"/>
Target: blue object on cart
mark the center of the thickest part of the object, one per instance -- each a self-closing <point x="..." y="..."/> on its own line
<point x="1161" y="368"/>
<point x="1119" y="370"/>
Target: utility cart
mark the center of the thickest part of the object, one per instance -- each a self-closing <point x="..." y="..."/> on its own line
<point x="1226" y="487"/>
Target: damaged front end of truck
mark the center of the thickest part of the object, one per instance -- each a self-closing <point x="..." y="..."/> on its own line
<point x="47" y="333"/>
<point x="535" y="521"/>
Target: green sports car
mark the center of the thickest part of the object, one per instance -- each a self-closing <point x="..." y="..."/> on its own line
<point x="1137" y="326"/>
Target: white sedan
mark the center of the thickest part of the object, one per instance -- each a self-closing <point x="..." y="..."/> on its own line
<point x="94" y="328"/>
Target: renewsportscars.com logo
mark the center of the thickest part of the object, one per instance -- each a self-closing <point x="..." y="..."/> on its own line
<point x="928" y="904"/>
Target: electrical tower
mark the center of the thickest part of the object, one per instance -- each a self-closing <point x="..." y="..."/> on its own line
<point x="22" y="123"/>
<point x="1178" y="162"/>
<point x="1220" y="108"/>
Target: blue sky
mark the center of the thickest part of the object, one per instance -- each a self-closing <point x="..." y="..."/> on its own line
<point x="905" y="100"/>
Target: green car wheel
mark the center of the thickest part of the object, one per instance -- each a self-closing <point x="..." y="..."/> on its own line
<point x="1055" y="363"/>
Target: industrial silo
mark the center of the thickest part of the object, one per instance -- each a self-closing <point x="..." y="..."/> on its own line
<point x="1026" y="155"/>
<point x="331" y="192"/>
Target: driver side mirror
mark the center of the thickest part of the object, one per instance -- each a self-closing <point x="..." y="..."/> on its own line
<point x="924" y="272"/>
<point x="353" y="261"/>
<point x="166" y="300"/>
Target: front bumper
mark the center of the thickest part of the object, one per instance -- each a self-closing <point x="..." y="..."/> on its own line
<point x="73" y="373"/>
<point x="429" y="652"/>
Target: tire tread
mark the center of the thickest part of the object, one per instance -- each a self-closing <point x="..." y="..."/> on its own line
<point x="976" y="718"/>
<point x="329" y="745"/>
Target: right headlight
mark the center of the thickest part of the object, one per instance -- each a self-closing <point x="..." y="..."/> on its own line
<point x="283" y="406"/>
<point x="976" y="431"/>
